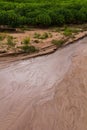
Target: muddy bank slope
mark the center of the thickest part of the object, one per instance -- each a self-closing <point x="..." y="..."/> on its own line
<point x="46" y="93"/>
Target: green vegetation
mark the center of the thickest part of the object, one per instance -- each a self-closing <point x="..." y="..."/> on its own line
<point x="10" y="41"/>
<point x="68" y="32"/>
<point x="37" y="35"/>
<point x="45" y="35"/>
<point x="43" y="13"/>
<point x="26" y="41"/>
<point x="58" y="43"/>
<point x="28" y="49"/>
<point x="2" y="37"/>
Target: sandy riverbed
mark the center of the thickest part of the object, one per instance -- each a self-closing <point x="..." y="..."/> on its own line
<point x="46" y="93"/>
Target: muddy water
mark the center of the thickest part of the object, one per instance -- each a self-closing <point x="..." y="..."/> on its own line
<point x="46" y="93"/>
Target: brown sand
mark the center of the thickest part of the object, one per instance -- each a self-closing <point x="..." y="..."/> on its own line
<point x="46" y="93"/>
<point x="19" y="37"/>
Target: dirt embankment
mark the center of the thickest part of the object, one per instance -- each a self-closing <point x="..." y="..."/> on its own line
<point x="45" y="49"/>
<point x="40" y="39"/>
<point x="46" y="93"/>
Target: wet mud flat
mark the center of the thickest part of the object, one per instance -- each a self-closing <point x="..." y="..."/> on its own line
<point x="46" y="93"/>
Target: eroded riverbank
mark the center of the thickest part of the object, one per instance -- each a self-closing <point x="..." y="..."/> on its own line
<point x="47" y="92"/>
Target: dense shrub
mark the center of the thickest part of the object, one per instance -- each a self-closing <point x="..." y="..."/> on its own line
<point x="43" y="19"/>
<point x="42" y="12"/>
<point x="12" y="18"/>
<point x="57" y="19"/>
